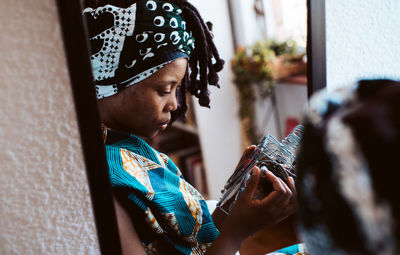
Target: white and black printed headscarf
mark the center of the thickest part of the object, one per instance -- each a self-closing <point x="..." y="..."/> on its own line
<point x="126" y="47"/>
<point x="131" y="41"/>
<point x="347" y="192"/>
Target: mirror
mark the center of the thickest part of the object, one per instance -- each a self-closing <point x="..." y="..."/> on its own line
<point x="191" y="138"/>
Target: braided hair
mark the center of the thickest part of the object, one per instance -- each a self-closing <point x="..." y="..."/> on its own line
<point x="204" y="63"/>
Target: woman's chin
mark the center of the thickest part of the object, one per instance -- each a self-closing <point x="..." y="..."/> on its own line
<point x="150" y="135"/>
<point x="150" y="132"/>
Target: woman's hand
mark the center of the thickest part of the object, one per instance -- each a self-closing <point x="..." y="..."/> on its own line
<point x="247" y="152"/>
<point x="249" y="214"/>
<point x="219" y="216"/>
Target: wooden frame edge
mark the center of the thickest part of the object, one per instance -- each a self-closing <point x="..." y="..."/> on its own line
<point x="316" y="46"/>
<point x="76" y="48"/>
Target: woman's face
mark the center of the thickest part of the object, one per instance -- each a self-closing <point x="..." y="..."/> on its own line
<point x="145" y="108"/>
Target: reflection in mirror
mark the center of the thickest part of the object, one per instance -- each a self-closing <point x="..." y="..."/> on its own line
<point x="148" y="57"/>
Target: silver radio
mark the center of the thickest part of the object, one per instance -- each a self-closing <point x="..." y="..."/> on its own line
<point x="270" y="154"/>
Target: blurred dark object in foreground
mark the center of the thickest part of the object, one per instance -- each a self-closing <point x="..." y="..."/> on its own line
<point x="347" y="189"/>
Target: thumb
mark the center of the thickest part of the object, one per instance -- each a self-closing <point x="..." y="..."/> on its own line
<point x="252" y="183"/>
<point x="247" y="152"/>
<point x="245" y="156"/>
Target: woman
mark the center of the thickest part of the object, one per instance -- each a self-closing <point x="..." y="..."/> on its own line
<point x="141" y="55"/>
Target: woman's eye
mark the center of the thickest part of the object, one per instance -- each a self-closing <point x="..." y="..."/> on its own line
<point x="163" y="93"/>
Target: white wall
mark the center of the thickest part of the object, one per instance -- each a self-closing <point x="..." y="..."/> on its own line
<point x="363" y="40"/>
<point x="219" y="127"/>
<point x="45" y="206"/>
<point x="286" y="20"/>
<point x="245" y="22"/>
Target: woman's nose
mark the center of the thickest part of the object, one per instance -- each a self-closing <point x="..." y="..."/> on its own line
<point x="172" y="103"/>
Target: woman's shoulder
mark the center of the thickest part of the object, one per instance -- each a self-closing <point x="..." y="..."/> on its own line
<point x="129" y="149"/>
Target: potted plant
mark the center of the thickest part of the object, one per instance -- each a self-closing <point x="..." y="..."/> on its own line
<point x="257" y="69"/>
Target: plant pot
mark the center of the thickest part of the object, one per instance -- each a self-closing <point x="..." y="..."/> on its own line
<point x="284" y="69"/>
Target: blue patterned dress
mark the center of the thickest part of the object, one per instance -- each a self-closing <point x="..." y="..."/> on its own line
<point x="297" y="249"/>
<point x="170" y="216"/>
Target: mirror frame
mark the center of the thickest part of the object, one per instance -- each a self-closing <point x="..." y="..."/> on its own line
<point x="76" y="46"/>
<point x="316" y="46"/>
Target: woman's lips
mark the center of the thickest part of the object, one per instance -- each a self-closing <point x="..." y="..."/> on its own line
<point x="163" y="125"/>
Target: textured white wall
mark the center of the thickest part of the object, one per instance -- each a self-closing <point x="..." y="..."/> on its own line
<point x="363" y="40"/>
<point x="45" y="206"/>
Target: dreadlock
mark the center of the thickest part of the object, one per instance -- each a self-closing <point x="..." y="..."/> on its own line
<point x="204" y="63"/>
<point x="203" y="70"/>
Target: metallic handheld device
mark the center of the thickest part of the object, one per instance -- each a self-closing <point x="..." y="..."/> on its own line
<point x="270" y="154"/>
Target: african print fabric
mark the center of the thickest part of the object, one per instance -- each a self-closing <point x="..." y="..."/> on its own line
<point x="130" y="44"/>
<point x="174" y="216"/>
<point x="297" y="249"/>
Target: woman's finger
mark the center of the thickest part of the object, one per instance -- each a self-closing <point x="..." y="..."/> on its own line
<point x="279" y="191"/>
<point x="252" y="184"/>
<point x="285" y="186"/>
<point x="247" y="152"/>
<point x="276" y="181"/>
<point x="288" y="193"/>
<point x="291" y="185"/>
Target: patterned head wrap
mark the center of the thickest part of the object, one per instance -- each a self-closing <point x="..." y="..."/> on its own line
<point x="348" y="200"/>
<point x="129" y="44"/>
